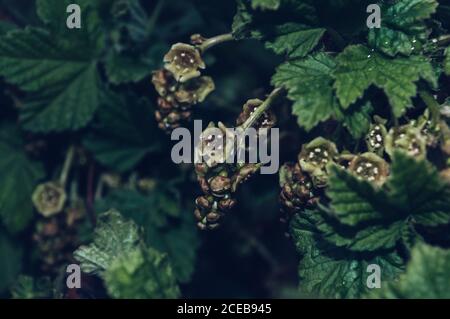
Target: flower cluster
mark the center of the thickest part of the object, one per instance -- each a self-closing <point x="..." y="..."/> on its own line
<point x="219" y="180"/>
<point x="180" y="86"/>
<point x="303" y="183"/>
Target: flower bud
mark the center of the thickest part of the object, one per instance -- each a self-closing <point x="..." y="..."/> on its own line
<point x="314" y="158"/>
<point x="49" y="198"/>
<point x="164" y="82"/>
<point x="195" y="91"/>
<point x="408" y="139"/>
<point x="297" y="190"/>
<point x="212" y="144"/>
<point x="203" y="203"/>
<point x="203" y="184"/>
<point x="267" y="120"/>
<point x="220" y="185"/>
<point x="227" y="204"/>
<point x="244" y="174"/>
<point x="376" y="137"/>
<point x="371" y="167"/>
<point x="197" y="39"/>
<point x="213" y="217"/>
<point x="183" y="61"/>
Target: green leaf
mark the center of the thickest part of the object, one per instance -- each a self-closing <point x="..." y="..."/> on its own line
<point x="19" y="176"/>
<point x="124" y="132"/>
<point x="6" y="26"/>
<point x="10" y="260"/>
<point x="266" y="4"/>
<point x="154" y="209"/>
<point x="141" y="274"/>
<point x="134" y="51"/>
<point x="286" y="21"/>
<point x="27" y="287"/>
<point x="357" y="118"/>
<point x="370" y="238"/>
<point x="309" y="85"/>
<point x="329" y="272"/>
<point x="166" y="227"/>
<point x="354" y="200"/>
<point x="358" y="68"/>
<point x="34" y="60"/>
<point x="417" y="187"/>
<point x="241" y="21"/>
<point x="114" y="237"/>
<point x="295" y="40"/>
<point x="427" y="276"/>
<point x="128" y="267"/>
<point x="122" y="68"/>
<point x="403" y="27"/>
<point x="447" y="61"/>
<point x="376" y="218"/>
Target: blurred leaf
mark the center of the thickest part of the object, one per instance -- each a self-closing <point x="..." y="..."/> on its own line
<point x="135" y="51"/>
<point x="114" y="237"/>
<point x="356" y="118"/>
<point x="427" y="276"/>
<point x="153" y="209"/>
<point x="166" y="227"/>
<point x="10" y="260"/>
<point x="403" y="28"/>
<point x="128" y="268"/>
<point x="6" y="26"/>
<point x="27" y="287"/>
<point x="19" y="176"/>
<point x="124" y="133"/>
<point x="122" y="68"/>
<point x="141" y="274"/>
<point x="447" y="61"/>
<point x="266" y="4"/>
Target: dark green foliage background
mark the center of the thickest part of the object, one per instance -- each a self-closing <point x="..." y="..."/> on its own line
<point x="91" y="88"/>
<point x="249" y="256"/>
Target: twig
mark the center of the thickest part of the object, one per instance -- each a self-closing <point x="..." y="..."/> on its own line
<point x="154" y="17"/>
<point x="209" y="43"/>
<point x="67" y="164"/>
<point x="90" y="193"/>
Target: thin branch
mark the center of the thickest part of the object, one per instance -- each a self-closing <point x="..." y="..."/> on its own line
<point x="154" y="17"/>
<point x="67" y="164"/>
<point x="209" y="43"/>
<point x="90" y="193"/>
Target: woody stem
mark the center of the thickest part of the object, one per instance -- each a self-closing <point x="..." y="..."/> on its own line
<point x="67" y="164"/>
<point x="259" y="111"/>
<point x="209" y="43"/>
